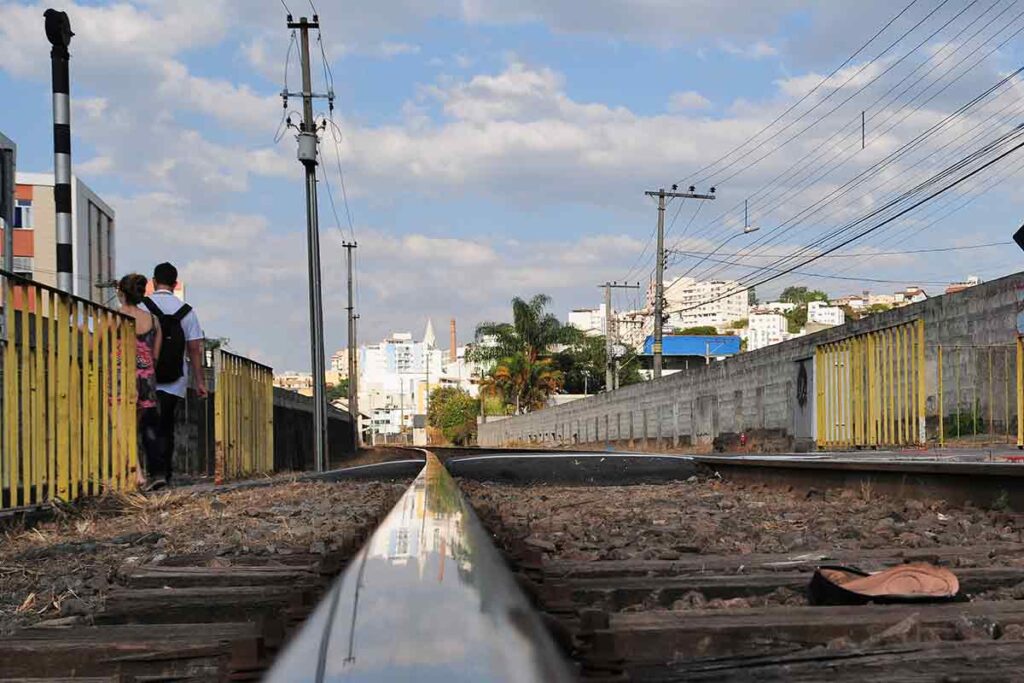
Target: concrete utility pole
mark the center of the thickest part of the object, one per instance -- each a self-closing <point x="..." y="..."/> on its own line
<point x="659" y="286"/>
<point x="610" y="338"/>
<point x="307" y="155"/>
<point x="353" y="391"/>
<point x="58" y="32"/>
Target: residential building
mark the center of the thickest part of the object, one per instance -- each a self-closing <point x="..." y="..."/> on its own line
<point x="821" y="313"/>
<point x="856" y="302"/>
<point x="910" y="295"/>
<point x="971" y="281"/>
<point x="339" y="362"/>
<point x="393" y="378"/>
<point x="693" y="303"/>
<point x="777" y="306"/>
<point x="632" y="327"/>
<point x="591" y="321"/>
<point x="93" y="238"/>
<point x="764" y="328"/>
<point x="299" y="382"/>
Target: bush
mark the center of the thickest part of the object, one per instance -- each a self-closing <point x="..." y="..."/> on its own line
<point x="453" y="411"/>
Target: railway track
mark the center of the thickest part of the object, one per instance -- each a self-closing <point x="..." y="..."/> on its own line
<point x="598" y="567"/>
<point x="708" y="615"/>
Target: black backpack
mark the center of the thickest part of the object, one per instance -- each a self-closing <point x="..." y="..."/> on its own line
<point x="172" y="353"/>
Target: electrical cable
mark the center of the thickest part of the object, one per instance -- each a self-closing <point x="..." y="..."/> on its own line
<point x="904" y="150"/>
<point x="848" y="80"/>
<point x="849" y="240"/>
<point x="806" y="95"/>
<point x="826" y="148"/>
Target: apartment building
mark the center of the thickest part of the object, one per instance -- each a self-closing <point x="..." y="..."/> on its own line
<point x="93" y="239"/>
<point x="591" y="321"/>
<point x="822" y="313"/>
<point x="693" y="303"/>
<point x="764" y="328"/>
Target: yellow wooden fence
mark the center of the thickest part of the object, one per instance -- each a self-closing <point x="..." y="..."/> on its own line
<point x="243" y="416"/>
<point x="870" y="389"/>
<point x="68" y="396"/>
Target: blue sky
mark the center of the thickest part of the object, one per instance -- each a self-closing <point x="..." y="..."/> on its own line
<point x="495" y="149"/>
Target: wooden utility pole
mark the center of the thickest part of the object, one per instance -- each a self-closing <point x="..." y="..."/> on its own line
<point x="353" y="373"/>
<point x="659" y="286"/>
<point x="610" y="338"/>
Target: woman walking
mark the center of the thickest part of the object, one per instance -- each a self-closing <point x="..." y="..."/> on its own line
<point x="130" y="291"/>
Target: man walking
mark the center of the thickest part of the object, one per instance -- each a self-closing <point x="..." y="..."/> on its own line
<point x="182" y="348"/>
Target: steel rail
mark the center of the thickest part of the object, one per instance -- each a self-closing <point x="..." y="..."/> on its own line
<point x="427" y="598"/>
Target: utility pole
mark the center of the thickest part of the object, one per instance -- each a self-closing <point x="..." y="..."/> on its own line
<point x="659" y="286"/>
<point x="308" y="156"/>
<point x="58" y="32"/>
<point x="353" y="390"/>
<point x="610" y="338"/>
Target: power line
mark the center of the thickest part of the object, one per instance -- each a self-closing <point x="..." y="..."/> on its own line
<point x="826" y="147"/>
<point x="862" y="254"/>
<point x="848" y="80"/>
<point x="863" y="233"/>
<point x="806" y="95"/>
<point x="903" y="151"/>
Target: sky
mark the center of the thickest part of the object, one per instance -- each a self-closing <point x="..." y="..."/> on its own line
<point x="491" y="149"/>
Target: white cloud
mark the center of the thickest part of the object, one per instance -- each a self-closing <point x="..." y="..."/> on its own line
<point x="687" y="101"/>
<point x="390" y="49"/>
<point x="759" y="49"/>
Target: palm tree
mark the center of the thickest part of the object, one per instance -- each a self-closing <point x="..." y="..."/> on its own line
<point x="523" y="382"/>
<point x="522" y="371"/>
<point x="532" y="332"/>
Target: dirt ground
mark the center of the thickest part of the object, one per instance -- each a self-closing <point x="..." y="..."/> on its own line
<point x="713" y="517"/>
<point x="66" y="566"/>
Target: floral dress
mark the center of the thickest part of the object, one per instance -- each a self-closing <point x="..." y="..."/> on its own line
<point x="145" y="370"/>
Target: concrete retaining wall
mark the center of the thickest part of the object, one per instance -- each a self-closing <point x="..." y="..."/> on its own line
<point x="755" y="393"/>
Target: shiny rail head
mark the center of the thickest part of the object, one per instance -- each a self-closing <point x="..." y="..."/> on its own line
<point x="428" y="599"/>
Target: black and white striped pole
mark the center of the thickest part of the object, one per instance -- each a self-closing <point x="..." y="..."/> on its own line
<point x="58" y="32"/>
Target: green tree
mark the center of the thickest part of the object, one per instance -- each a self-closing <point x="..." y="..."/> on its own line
<point x="532" y="332"/>
<point x="453" y="411"/>
<point x="798" y="294"/>
<point x="740" y="324"/>
<point x="877" y="308"/>
<point x="582" y="362"/>
<point x="796" y="318"/>
<point x="339" y="390"/>
<point x="524" y="383"/>
<point x="700" y="330"/>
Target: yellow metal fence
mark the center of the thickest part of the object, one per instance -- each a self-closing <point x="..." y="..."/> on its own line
<point x="977" y="390"/>
<point x="870" y="389"/>
<point x="67" y="400"/>
<point x="243" y="416"/>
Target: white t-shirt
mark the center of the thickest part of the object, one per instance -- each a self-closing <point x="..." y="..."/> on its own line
<point x="169" y="304"/>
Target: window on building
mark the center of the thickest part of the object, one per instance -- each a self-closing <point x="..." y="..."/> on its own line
<point x="23" y="214"/>
<point x="23" y="266"/>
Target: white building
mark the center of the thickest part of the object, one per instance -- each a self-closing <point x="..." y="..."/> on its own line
<point x="693" y="303"/>
<point x="396" y="375"/>
<point x="823" y="314"/>
<point x="299" y="382"/>
<point x="393" y="378"/>
<point x="778" y="306"/>
<point x="766" y="328"/>
<point x="591" y="321"/>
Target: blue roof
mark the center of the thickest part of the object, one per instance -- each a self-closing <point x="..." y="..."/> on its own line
<point x="695" y="345"/>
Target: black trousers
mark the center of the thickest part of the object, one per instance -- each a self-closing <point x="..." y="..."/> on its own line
<point x="149" y="426"/>
<point x="165" y="436"/>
